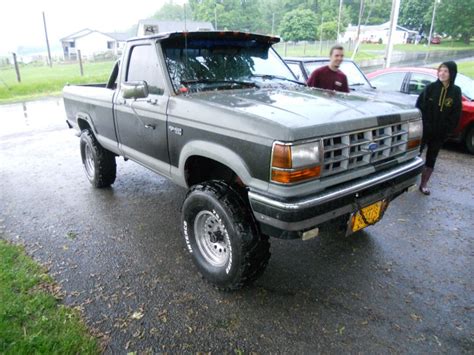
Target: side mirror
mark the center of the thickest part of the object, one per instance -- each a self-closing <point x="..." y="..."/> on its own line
<point x="134" y="90"/>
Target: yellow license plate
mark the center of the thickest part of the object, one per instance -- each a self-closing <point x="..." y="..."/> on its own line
<point x="372" y="214"/>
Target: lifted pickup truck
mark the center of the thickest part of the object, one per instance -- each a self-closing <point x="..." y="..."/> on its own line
<point x="262" y="155"/>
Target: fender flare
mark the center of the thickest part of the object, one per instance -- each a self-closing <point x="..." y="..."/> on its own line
<point x="83" y="116"/>
<point x="215" y="152"/>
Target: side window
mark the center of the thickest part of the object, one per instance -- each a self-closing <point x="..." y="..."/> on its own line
<point x="389" y="82"/>
<point x="418" y="82"/>
<point x="143" y="65"/>
<point x="296" y="69"/>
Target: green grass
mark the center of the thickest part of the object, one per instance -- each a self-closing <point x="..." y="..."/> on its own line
<point x="42" y="80"/>
<point x="31" y="319"/>
<point x="366" y="50"/>
<point x="467" y="68"/>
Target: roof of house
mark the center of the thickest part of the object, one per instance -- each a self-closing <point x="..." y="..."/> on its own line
<point x="118" y="36"/>
<point x="177" y="26"/>
<point x="382" y="27"/>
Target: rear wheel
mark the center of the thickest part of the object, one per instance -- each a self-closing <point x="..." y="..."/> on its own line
<point x="99" y="163"/>
<point x="222" y="236"/>
<point x="469" y="140"/>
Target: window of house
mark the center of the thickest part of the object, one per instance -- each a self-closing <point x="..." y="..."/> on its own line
<point x="110" y="44"/>
<point x="143" y="66"/>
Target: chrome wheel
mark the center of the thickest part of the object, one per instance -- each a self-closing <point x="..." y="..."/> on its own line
<point x="89" y="165"/>
<point x="212" y="239"/>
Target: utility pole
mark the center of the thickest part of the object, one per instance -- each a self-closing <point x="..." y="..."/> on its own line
<point x="321" y="36"/>
<point x="361" y="11"/>
<point x="215" y="17"/>
<point x="339" y="20"/>
<point x="432" y="21"/>
<point x="357" y="42"/>
<point x="47" y="41"/>
<point x="393" y="28"/>
<point x="273" y="24"/>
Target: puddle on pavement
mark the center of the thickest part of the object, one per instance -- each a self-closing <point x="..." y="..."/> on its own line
<point x="32" y="115"/>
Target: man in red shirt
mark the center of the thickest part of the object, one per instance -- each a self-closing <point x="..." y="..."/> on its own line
<point x="330" y="77"/>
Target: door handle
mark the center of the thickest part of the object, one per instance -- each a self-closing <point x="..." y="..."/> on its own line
<point x="150" y="126"/>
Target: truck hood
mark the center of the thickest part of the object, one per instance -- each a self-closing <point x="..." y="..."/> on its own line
<point x="302" y="113"/>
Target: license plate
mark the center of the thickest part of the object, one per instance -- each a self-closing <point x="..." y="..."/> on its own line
<point x="372" y="214"/>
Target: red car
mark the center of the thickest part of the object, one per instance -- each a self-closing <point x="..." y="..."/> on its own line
<point x="412" y="81"/>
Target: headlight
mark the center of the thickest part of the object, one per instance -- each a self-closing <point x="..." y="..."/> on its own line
<point x="415" y="132"/>
<point x="295" y="163"/>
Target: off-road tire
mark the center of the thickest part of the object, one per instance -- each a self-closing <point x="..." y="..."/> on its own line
<point x="469" y="139"/>
<point x="99" y="163"/>
<point x="239" y="253"/>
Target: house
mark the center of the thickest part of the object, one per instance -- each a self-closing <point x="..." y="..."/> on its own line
<point x="92" y="42"/>
<point x="377" y="34"/>
<point x="152" y="26"/>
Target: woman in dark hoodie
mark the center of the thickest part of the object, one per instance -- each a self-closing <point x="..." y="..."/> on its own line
<point x="441" y="106"/>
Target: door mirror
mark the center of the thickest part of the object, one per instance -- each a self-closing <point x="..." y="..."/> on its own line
<point x="134" y="90"/>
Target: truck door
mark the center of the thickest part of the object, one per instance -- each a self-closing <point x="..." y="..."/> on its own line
<point x="141" y="123"/>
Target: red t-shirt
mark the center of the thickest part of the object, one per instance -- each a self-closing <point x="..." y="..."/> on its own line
<point x="326" y="78"/>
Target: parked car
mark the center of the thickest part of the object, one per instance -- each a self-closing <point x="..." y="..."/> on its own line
<point x="411" y="81"/>
<point x="263" y="155"/>
<point x="302" y="67"/>
<point x="436" y="40"/>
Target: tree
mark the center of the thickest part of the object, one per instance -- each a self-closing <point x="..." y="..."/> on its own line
<point x="456" y="18"/>
<point x="416" y="14"/>
<point x="299" y="25"/>
<point x="242" y="15"/>
<point x="171" y="11"/>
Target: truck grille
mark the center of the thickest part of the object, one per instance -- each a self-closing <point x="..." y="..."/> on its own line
<point x="356" y="149"/>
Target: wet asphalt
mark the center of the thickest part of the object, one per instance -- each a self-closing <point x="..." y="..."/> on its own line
<point x="404" y="285"/>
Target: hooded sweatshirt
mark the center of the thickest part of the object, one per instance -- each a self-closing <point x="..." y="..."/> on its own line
<point x="441" y="107"/>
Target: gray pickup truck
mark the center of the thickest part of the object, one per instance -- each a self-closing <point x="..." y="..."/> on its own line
<point x="262" y="155"/>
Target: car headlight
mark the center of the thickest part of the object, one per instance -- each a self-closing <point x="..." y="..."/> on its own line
<point x="293" y="163"/>
<point x="415" y="132"/>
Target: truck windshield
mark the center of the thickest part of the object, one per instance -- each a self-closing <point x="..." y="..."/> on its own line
<point x="210" y="64"/>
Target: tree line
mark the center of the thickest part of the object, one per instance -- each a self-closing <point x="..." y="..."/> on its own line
<point x="296" y="20"/>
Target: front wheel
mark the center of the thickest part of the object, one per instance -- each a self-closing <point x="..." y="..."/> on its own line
<point x="222" y="237"/>
<point x="469" y="140"/>
<point x="99" y="163"/>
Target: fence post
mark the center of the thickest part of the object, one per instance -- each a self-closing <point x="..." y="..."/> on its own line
<point x="80" y="61"/>
<point x="286" y="43"/>
<point x="18" y="77"/>
<point x="304" y="49"/>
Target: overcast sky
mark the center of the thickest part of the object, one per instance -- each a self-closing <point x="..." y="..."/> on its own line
<point x="21" y="21"/>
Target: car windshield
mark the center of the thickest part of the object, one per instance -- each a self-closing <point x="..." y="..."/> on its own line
<point x="467" y="86"/>
<point x="354" y="75"/>
<point x="209" y="64"/>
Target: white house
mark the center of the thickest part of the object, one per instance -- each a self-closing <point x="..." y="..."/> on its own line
<point x="91" y="42"/>
<point x="377" y="34"/>
<point x="153" y="26"/>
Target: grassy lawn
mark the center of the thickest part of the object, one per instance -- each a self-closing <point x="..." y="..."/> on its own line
<point x="312" y="50"/>
<point x="42" y="80"/>
<point x="467" y="68"/>
<point x="444" y="46"/>
<point x="31" y="319"/>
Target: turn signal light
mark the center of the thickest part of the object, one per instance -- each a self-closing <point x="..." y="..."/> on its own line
<point x="292" y="176"/>
<point x="281" y="156"/>
<point x="413" y="143"/>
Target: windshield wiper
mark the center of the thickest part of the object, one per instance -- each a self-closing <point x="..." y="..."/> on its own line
<point x="277" y="77"/>
<point x="214" y="81"/>
<point x="358" y="84"/>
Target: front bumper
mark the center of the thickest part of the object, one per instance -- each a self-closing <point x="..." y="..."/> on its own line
<point x="289" y="218"/>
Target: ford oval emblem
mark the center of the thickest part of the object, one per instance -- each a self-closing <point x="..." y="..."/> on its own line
<point x="372" y="146"/>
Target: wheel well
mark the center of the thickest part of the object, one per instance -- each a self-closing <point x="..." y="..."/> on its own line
<point x="83" y="124"/>
<point x="199" y="169"/>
